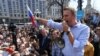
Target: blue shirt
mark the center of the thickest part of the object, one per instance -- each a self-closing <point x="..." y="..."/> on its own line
<point x="81" y="34"/>
<point x="56" y="51"/>
<point x="96" y="19"/>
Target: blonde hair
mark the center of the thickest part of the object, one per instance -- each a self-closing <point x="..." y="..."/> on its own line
<point x="72" y="10"/>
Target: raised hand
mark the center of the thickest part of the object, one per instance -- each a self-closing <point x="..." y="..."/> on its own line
<point x="65" y="26"/>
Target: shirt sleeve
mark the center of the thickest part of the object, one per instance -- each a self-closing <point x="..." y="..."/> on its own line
<point x="80" y="42"/>
<point x="54" y="25"/>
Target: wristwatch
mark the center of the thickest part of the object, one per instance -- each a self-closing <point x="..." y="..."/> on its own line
<point x="68" y="32"/>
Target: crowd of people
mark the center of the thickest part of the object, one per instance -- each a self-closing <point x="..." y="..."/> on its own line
<point x="93" y="21"/>
<point x="68" y="38"/>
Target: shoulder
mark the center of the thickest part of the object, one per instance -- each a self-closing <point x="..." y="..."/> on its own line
<point x="83" y="26"/>
<point x="89" y="46"/>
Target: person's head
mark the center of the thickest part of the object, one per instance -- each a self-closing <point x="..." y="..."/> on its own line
<point x="12" y="46"/>
<point x="69" y="15"/>
<point x="16" y="54"/>
<point x="1" y="37"/>
<point x="55" y="34"/>
<point x="44" y="32"/>
<point x="97" y="31"/>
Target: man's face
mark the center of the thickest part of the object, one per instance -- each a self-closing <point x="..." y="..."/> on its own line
<point x="67" y="15"/>
<point x="44" y="32"/>
<point x="98" y="32"/>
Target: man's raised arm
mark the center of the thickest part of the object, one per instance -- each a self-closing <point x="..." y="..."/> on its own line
<point x="41" y="20"/>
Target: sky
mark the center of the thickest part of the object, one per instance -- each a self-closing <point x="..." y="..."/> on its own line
<point x="94" y="3"/>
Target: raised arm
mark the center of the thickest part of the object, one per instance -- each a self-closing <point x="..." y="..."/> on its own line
<point x="50" y="23"/>
<point x="42" y="20"/>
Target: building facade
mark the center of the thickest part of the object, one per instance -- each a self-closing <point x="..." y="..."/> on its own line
<point x="89" y="8"/>
<point x="54" y="8"/>
<point x="16" y="11"/>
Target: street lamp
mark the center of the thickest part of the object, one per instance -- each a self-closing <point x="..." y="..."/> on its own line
<point x="37" y="12"/>
<point x="3" y="20"/>
<point x="80" y="4"/>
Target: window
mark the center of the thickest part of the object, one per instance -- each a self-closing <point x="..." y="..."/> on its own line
<point x="18" y="15"/>
<point x="25" y="11"/>
<point x="14" y="11"/>
<point x="5" y="10"/>
<point x="26" y="15"/>
<point x="5" y="14"/>
<point x="0" y="14"/>
<point x="11" y="15"/>
<point x="4" y="6"/>
<point x="15" y="15"/>
<point x="3" y="1"/>
<point x="22" y="15"/>
<point x="17" y="11"/>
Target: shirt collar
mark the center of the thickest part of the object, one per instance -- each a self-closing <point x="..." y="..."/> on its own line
<point x="76" y="25"/>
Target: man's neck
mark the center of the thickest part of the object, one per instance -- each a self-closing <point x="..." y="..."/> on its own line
<point x="74" y="22"/>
